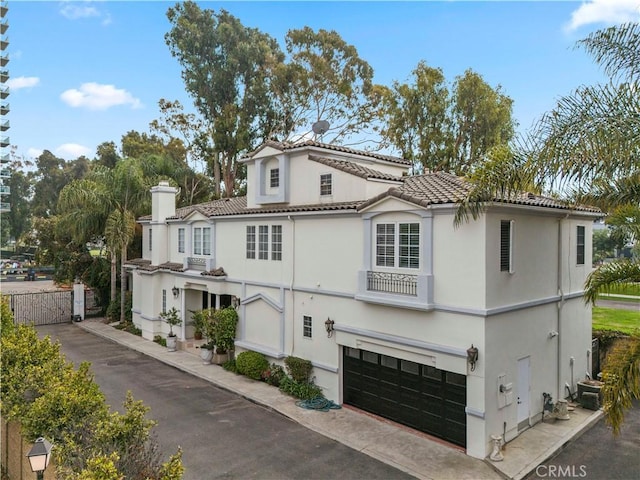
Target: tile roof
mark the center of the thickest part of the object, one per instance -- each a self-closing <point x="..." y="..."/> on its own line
<point x="445" y="188"/>
<point x="144" y="264"/>
<point x="336" y="148"/>
<point x="355" y="169"/>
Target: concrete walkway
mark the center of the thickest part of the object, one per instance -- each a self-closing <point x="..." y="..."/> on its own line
<point x="406" y="449"/>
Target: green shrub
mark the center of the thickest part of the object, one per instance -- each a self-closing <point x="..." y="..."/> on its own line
<point x="230" y="365"/>
<point x="298" y="368"/>
<point x="160" y="340"/>
<point x="113" y="310"/>
<point x="251" y="364"/>
<point x="303" y="391"/>
<point x="274" y="375"/>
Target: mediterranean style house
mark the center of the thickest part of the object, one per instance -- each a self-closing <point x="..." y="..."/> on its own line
<point x="339" y="257"/>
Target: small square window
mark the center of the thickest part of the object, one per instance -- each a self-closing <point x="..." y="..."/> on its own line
<point x="326" y="184"/>
<point x="274" y="177"/>
<point x="150" y="239"/>
<point x="307" y="324"/>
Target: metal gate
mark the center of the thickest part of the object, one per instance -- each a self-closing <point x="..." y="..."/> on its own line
<point x="42" y="308"/>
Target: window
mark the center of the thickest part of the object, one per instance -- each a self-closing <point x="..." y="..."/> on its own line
<point x="181" y="240"/>
<point x="164" y="301"/>
<point x="206" y="241"/>
<point x="274" y="177"/>
<point x="385" y="244"/>
<point x="307" y="323"/>
<point x="409" y="242"/>
<point x="197" y="241"/>
<point x="398" y="247"/>
<point x="276" y="242"/>
<point x="580" y="245"/>
<point x="263" y="242"/>
<point x="150" y="239"/>
<point x="251" y="242"/>
<point x="506" y="238"/>
<point x="326" y="184"/>
<point x="202" y="241"/>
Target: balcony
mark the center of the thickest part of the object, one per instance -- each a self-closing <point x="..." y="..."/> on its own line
<point x="5" y="207"/>
<point x="4" y="76"/>
<point x="4" y="59"/>
<point x="396" y="283"/>
<point x="5" y="173"/>
<point x="4" y="92"/>
<point x="396" y="289"/>
<point x="4" y="142"/>
<point x="4" y="43"/>
<point x="4" y="25"/>
<point x="5" y="189"/>
<point x="4" y="109"/>
<point x="5" y="158"/>
<point x="4" y="126"/>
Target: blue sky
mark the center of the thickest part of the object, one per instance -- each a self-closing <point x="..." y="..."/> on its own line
<point x="83" y="73"/>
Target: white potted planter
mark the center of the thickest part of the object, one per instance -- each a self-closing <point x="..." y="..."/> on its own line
<point x="172" y="343"/>
<point x="206" y="353"/>
<point x="172" y="317"/>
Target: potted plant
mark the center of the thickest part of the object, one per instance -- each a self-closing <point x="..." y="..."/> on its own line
<point x="224" y="333"/>
<point x="207" y="325"/>
<point x="172" y="317"/>
<point x="198" y="319"/>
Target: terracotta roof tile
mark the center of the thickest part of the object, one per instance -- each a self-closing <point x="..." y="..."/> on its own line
<point x="442" y="188"/>
<point x="355" y="169"/>
<point x="336" y="148"/>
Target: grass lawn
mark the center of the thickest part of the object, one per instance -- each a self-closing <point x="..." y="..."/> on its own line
<point x="613" y="319"/>
<point x="627" y="289"/>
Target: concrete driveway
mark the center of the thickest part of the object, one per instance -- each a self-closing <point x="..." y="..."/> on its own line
<point x="222" y="434"/>
<point x="598" y="455"/>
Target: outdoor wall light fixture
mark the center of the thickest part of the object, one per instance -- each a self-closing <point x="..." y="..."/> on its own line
<point x="328" y="325"/>
<point x="176" y="292"/>
<point x="472" y="357"/>
<point x="39" y="456"/>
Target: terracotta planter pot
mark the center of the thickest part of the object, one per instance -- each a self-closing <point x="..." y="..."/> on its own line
<point x="220" y="358"/>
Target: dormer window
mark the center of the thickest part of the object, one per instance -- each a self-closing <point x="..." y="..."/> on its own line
<point x="274" y="178"/>
<point x="326" y="184"/>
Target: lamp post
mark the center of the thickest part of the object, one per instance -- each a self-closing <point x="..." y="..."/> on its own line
<point x="39" y="456"/>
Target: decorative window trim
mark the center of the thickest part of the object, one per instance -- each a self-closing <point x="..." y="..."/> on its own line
<point x="580" y="244"/>
<point x="506" y="245"/>
<point x="307" y="326"/>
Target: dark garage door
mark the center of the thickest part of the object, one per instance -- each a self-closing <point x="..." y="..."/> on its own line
<point x="419" y="396"/>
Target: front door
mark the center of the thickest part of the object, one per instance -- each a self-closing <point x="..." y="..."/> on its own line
<point x="524" y="371"/>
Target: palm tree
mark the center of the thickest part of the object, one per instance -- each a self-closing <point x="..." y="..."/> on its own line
<point x="587" y="149"/>
<point x="105" y="204"/>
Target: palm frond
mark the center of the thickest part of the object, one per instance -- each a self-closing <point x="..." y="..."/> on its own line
<point x="616" y="49"/>
<point x="621" y="377"/>
<point x="606" y="276"/>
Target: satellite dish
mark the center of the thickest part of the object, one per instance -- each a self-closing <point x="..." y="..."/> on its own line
<point x="320" y="127"/>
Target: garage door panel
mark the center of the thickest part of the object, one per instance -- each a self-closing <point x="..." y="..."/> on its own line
<point x="420" y="396"/>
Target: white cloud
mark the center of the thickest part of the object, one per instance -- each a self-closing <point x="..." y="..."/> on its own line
<point x="73" y="11"/>
<point x="609" y="12"/>
<point x="95" y="96"/>
<point x="34" y="152"/>
<point x="22" y="82"/>
<point x="71" y="151"/>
